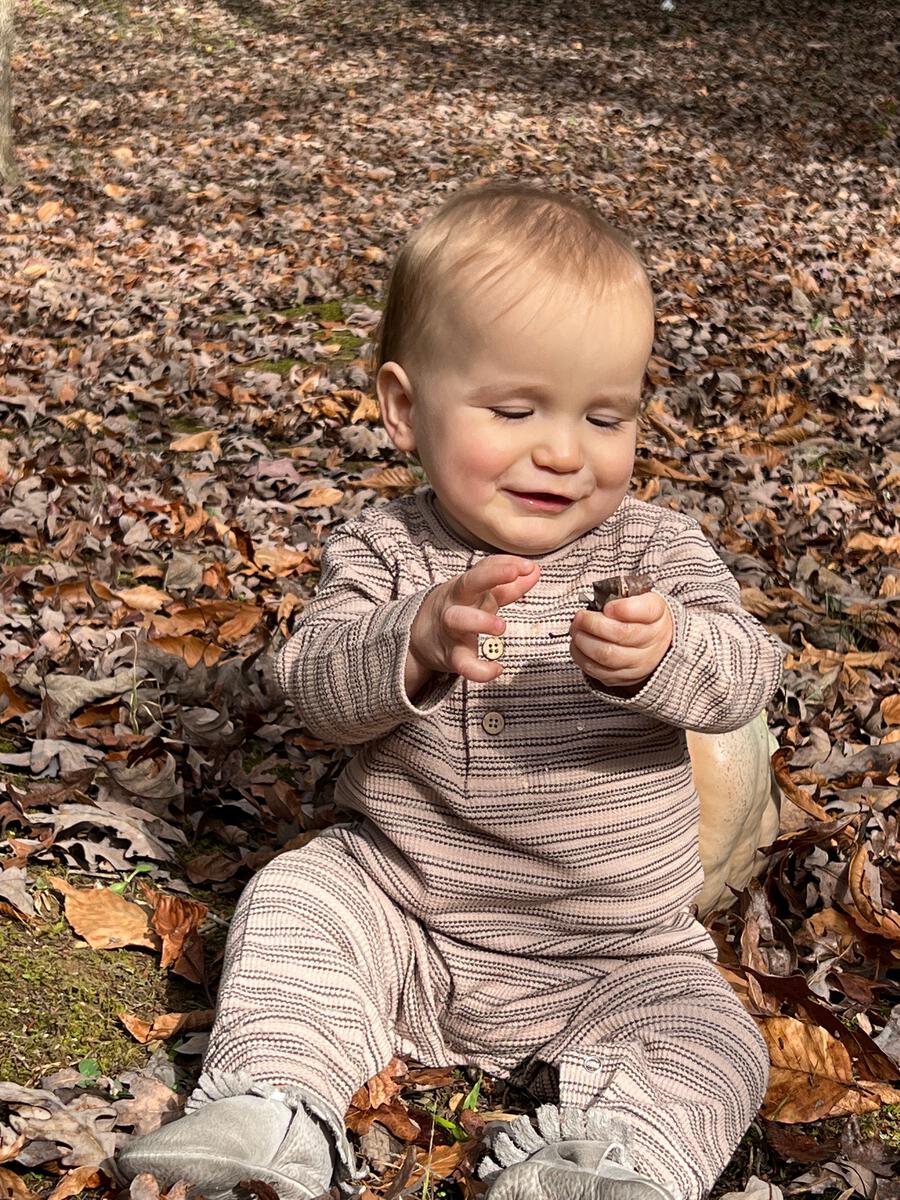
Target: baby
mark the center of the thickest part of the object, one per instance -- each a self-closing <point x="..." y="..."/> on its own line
<point x="514" y="888"/>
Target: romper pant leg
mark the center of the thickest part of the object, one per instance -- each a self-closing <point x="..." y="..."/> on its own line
<point x="665" y="1043"/>
<point x="314" y="967"/>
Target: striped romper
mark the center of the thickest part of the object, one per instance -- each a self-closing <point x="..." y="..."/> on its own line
<point x="513" y="888"/>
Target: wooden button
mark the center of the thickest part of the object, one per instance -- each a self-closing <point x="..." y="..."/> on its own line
<point x="492" y="647"/>
<point x="493" y="722"/>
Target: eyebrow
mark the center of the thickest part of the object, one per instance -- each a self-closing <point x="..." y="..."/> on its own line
<point x="503" y="391"/>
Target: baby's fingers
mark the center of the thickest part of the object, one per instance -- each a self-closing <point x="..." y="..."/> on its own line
<point x="460" y="619"/>
<point x="466" y="663"/>
<point x="489" y="574"/>
<point x="508" y="593"/>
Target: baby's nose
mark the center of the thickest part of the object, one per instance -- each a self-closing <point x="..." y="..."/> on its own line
<point x="559" y="454"/>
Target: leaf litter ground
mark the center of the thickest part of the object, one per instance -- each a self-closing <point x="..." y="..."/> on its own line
<point x="193" y="265"/>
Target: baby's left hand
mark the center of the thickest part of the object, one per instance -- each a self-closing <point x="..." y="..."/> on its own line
<point x="622" y="646"/>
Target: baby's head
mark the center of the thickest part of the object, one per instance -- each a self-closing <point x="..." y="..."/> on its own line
<point x="511" y="357"/>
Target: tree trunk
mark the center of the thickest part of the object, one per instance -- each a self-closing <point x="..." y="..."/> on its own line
<point x="7" y="162"/>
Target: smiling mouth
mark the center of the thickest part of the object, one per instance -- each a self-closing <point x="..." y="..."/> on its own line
<point x="547" y="501"/>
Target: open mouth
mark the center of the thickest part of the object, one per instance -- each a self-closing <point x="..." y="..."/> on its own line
<point x="545" y="501"/>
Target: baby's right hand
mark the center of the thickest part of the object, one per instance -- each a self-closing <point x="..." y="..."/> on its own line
<point x="444" y="635"/>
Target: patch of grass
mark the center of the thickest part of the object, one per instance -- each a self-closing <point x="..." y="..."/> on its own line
<point x="59" y="999"/>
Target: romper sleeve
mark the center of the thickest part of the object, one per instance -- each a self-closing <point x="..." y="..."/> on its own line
<point x="343" y="668"/>
<point x="723" y="666"/>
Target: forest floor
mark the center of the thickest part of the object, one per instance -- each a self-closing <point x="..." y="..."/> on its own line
<point x="193" y="263"/>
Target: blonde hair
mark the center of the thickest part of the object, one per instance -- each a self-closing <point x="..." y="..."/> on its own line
<point x="494" y="229"/>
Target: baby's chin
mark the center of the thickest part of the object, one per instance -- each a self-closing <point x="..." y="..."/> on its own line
<point x="532" y="547"/>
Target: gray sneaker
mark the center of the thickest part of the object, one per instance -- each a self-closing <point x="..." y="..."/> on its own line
<point x="575" y="1171"/>
<point x="227" y="1141"/>
<point x="573" y="1154"/>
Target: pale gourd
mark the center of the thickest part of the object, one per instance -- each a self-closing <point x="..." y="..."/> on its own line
<point x="739" y="807"/>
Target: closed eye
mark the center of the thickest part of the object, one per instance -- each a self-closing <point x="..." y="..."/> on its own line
<point x="600" y="424"/>
<point x="506" y="414"/>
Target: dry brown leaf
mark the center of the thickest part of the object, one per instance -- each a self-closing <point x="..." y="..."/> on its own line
<point x="389" y="479"/>
<point x="11" y="703"/>
<point x="826" y="660"/>
<point x="811" y="1076"/>
<point x="869" y="541"/>
<point x="890" y="708"/>
<point x="319" y="497"/>
<point x="828" y="921"/>
<point x="379" y="1100"/>
<point x="13" y="1186"/>
<point x="207" y="439"/>
<point x="281" y="561"/>
<point x="191" y="649"/>
<point x="872" y="919"/>
<point x="366" y="410"/>
<point x="78" y="1180"/>
<point x="144" y="1187"/>
<point x="243" y="622"/>
<point x="166" y="1026"/>
<point x="105" y="919"/>
<point x="142" y="598"/>
<point x="383" y="1086"/>
<point x="80" y="418"/>
<point x="439" y="1162"/>
<point x="49" y="211"/>
<point x="393" y="1117"/>
<point x="11" y="1150"/>
<point x="178" y="922"/>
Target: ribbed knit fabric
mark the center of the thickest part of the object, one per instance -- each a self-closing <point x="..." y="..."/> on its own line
<point x="573" y="830"/>
<point x="514" y="890"/>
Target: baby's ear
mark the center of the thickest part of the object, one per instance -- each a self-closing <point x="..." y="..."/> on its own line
<point x="396" y="402"/>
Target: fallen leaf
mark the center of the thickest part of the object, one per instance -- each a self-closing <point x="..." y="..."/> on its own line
<point x="319" y="497"/>
<point x="14" y="1187"/>
<point x="150" y="1105"/>
<point x="167" y="1026"/>
<point x="76" y="1181"/>
<point x="282" y="561"/>
<point x="105" y="919"/>
<point x="811" y="1076"/>
<point x="13" y="890"/>
<point x="389" y="479"/>
<point x="191" y="649"/>
<point x="177" y="922"/>
<point x="207" y="439"/>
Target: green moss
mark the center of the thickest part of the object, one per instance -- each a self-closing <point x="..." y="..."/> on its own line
<point x="883" y="1124"/>
<point x="59" y="999"/>
<point x="185" y="425"/>
<point x="326" y="310"/>
<point x="275" y="366"/>
<point x="349" y="343"/>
